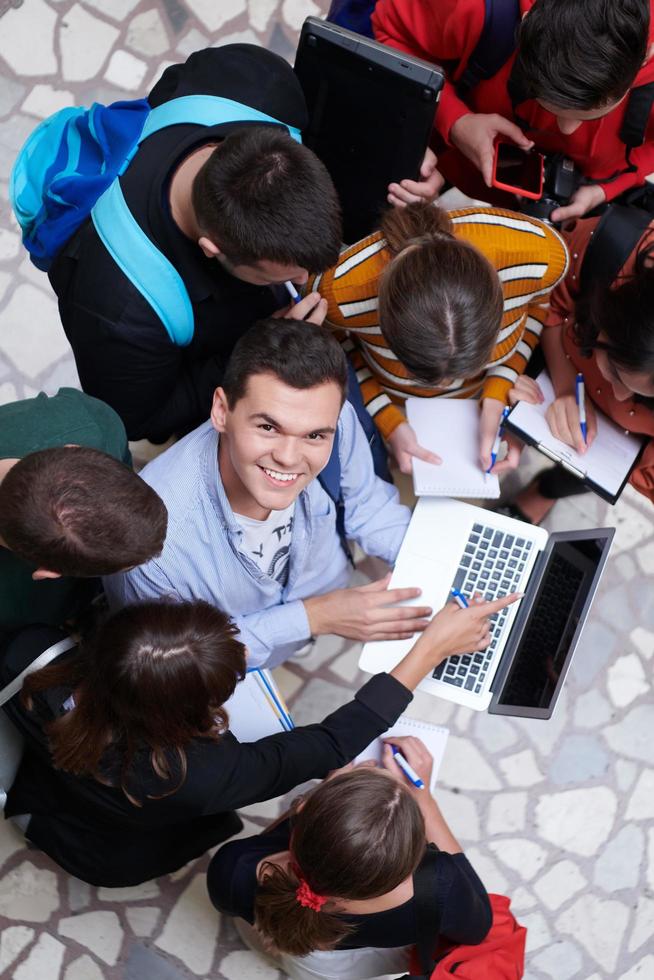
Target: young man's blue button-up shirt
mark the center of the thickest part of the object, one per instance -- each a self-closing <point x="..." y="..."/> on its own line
<point x="202" y="556"/>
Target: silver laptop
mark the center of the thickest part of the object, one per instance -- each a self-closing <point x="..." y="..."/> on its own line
<point x="450" y="544"/>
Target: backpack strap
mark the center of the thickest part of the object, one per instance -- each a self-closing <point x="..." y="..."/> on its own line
<point x="132" y="250"/>
<point x="329" y="479"/>
<point x="637" y="115"/>
<point x="496" y="44"/>
<point x="41" y="661"/>
<point x="617" y="233"/>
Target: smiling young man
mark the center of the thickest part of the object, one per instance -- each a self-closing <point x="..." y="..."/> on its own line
<point x="250" y="527"/>
<point x="565" y="87"/>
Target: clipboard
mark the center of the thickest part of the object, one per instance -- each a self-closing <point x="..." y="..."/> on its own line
<point x="619" y="448"/>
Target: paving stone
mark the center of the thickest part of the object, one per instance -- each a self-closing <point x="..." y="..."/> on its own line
<point x="545" y="734"/>
<point x="136" y="893"/>
<point x="643" y="970"/>
<point x="116" y="9"/>
<point x="143" y="919"/>
<point x="214" y="15"/>
<point x="559" y="883"/>
<point x="79" y="894"/>
<point x="618" y="866"/>
<point x="147" y="34"/>
<point x="238" y="965"/>
<point x="521" y="899"/>
<point x="191" y="929"/>
<point x="294" y="12"/>
<point x="85" y="43"/>
<point x="241" y="37"/>
<point x="641" y="804"/>
<point x="11" y="839"/>
<point x="644" y="641"/>
<point x="26" y="50"/>
<point x="43" y="100"/>
<point x="594" y="650"/>
<point x="463" y="718"/>
<point x="13" y="941"/>
<point x="521" y="855"/>
<point x="488" y="870"/>
<point x="493" y="732"/>
<point x="560" y="961"/>
<point x="32" y="335"/>
<point x="279" y="43"/>
<point x="538" y="933"/>
<point x="460" y="811"/>
<point x="598" y="926"/>
<point x="643" y="924"/>
<point x="591" y="710"/>
<point x="83" y="969"/>
<point x="521" y="769"/>
<point x="346" y="668"/>
<point x="192" y="41"/>
<point x="632" y="736"/>
<point x="101" y="932"/>
<point x="260" y="12"/>
<point x="11" y="92"/>
<point x="626" y="680"/>
<point x="506" y="813"/>
<point x="8" y="393"/>
<point x="319" y="698"/>
<point x="29" y="893"/>
<point x="143" y="963"/>
<point x="10" y="243"/>
<point x="579" y="820"/>
<point x="625" y="773"/>
<point x="125" y="70"/>
<point x="579" y="758"/>
<point x="44" y="960"/>
<point x="650" y="858"/>
<point x="465" y="767"/>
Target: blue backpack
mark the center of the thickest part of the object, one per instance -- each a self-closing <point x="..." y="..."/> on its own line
<point x="69" y="168"/>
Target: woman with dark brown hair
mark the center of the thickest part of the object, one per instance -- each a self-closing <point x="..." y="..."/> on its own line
<point x="330" y="889"/>
<point x="130" y="768"/>
<point x="446" y="304"/>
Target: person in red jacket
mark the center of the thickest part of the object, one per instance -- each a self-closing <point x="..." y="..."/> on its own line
<point x="568" y="85"/>
<point x="607" y="333"/>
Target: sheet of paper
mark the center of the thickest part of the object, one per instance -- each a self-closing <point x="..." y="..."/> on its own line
<point x="253" y="711"/>
<point x="449" y="427"/>
<point x="434" y="737"/>
<point x="608" y="460"/>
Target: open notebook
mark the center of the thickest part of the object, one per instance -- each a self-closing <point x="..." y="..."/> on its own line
<point x="449" y="427"/>
<point x="434" y="737"/>
<point x="604" y="468"/>
<point x="256" y="708"/>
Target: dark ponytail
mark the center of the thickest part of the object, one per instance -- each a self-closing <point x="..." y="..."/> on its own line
<point x="440" y="299"/>
<point x="623" y="312"/>
<point x="358" y="836"/>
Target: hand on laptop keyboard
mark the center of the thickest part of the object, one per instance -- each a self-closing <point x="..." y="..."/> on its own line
<point x="454" y="630"/>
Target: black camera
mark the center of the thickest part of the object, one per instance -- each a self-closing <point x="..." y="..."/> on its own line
<point x="560" y="180"/>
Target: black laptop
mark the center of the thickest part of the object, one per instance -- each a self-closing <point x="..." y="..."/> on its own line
<point x="371" y="113"/>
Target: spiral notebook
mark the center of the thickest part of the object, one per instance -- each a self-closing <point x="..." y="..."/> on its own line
<point x="449" y="427"/>
<point x="434" y="737"/>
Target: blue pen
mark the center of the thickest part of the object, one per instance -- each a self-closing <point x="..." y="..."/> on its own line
<point x="408" y="770"/>
<point x="580" y="398"/>
<point x="295" y="296"/>
<point x="460" y="598"/>
<point x="498" y="438"/>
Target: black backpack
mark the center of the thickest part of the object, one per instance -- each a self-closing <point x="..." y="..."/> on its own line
<point x="618" y="231"/>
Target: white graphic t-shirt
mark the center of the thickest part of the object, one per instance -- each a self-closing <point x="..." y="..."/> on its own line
<point x="268" y="542"/>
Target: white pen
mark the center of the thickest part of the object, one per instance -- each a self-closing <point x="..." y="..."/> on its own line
<point x="408" y="770"/>
<point x="295" y="296"/>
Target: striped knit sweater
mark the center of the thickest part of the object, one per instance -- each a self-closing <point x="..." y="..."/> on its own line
<point x="530" y="258"/>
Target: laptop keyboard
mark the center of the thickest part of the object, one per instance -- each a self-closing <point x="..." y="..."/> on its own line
<point x="492" y="564"/>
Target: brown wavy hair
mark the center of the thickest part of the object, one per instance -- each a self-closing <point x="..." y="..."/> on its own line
<point x="151" y="679"/>
<point x="358" y="836"/>
<point x="440" y="299"/>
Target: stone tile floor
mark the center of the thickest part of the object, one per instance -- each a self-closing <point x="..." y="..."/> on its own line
<point x="559" y="815"/>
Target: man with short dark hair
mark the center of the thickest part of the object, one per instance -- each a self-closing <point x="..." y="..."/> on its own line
<point x="565" y="87"/>
<point x="251" y="529"/>
<point x="235" y="208"/>
<point x="71" y="507"/>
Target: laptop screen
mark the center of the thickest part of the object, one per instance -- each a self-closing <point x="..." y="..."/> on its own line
<point x="544" y="650"/>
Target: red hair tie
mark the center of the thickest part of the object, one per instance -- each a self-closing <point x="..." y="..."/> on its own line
<point x="308" y="898"/>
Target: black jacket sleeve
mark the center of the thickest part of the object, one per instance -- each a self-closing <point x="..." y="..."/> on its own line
<point x="248" y="773"/>
<point x="466" y="913"/>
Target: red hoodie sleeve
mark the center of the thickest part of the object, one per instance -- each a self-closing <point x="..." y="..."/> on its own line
<point x="444" y="31"/>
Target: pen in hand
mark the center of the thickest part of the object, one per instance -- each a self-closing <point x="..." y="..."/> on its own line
<point x="408" y="770"/>
<point x="459" y="598"/>
<point x="498" y="438"/>
<point x="580" y="398"/>
<point x="295" y="296"/>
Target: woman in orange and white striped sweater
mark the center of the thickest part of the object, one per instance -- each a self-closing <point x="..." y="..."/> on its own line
<point x="443" y="304"/>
